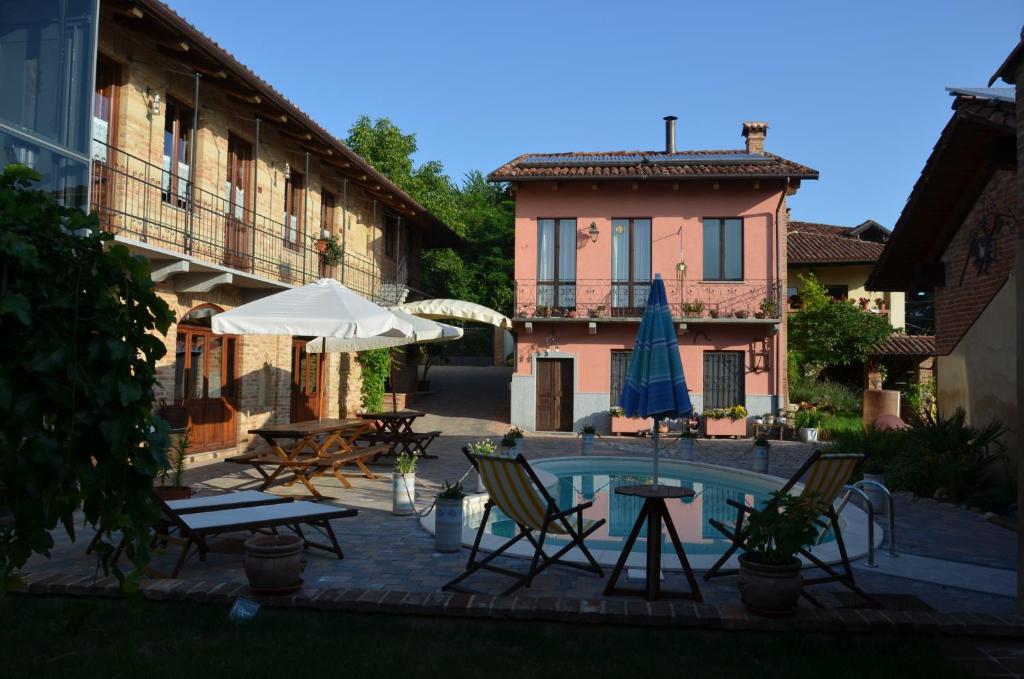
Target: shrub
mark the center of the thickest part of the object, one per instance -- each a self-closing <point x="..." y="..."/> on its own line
<point x="809" y="419"/>
<point x="376" y="365"/>
<point x="81" y="339"/>
<point x="880" y="447"/>
<point x="825" y="394"/>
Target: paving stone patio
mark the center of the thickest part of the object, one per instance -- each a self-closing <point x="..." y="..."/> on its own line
<point x="395" y="555"/>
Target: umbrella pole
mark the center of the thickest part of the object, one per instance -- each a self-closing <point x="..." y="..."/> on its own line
<point x="654" y="436"/>
<point x="320" y="378"/>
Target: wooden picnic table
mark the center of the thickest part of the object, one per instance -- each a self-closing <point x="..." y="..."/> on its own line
<point x="394" y="429"/>
<point x="313" y="449"/>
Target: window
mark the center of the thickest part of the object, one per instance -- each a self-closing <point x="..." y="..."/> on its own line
<point x="238" y="172"/>
<point x="327" y="204"/>
<point x="390" y="236"/>
<point x="723" y="379"/>
<point x="723" y="249"/>
<point x="620" y="368"/>
<point x="631" y="265"/>
<point x="294" y="186"/>
<point x="556" y="263"/>
<point x="839" y="292"/>
<point x="103" y="109"/>
<point x="177" y="148"/>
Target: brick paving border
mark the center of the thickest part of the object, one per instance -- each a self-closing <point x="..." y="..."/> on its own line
<point x="679" y="614"/>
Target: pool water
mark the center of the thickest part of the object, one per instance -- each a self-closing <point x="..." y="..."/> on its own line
<point x="595" y="478"/>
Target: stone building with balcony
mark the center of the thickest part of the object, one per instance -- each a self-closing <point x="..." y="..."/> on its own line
<point x="227" y="188"/>
<point x="592" y="230"/>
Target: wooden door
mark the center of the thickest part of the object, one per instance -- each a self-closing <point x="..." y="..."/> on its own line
<point x="307" y="381"/>
<point x="554" y="394"/>
<point x="104" y="136"/>
<point x="237" y="222"/>
<point x="205" y="386"/>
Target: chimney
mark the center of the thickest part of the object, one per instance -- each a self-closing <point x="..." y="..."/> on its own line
<point x="755" y="132"/>
<point x="670" y="134"/>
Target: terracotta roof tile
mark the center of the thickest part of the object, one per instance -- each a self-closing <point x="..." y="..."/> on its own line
<point x="700" y="164"/>
<point x="812" y="243"/>
<point x="899" y="344"/>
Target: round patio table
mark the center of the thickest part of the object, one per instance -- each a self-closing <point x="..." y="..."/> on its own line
<point x="655" y="513"/>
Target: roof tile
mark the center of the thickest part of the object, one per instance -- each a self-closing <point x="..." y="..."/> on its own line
<point x="812" y="243"/>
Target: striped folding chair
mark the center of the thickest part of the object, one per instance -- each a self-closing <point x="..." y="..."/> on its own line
<point x="515" y="489"/>
<point x="826" y="477"/>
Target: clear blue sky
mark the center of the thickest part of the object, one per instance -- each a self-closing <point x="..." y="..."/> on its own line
<point x="853" y="89"/>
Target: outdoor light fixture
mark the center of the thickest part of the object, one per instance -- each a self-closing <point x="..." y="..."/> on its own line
<point x="153" y="102"/>
<point x="594" y="232"/>
<point x="287" y="171"/>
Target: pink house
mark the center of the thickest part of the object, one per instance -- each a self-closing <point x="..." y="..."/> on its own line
<point x="592" y="229"/>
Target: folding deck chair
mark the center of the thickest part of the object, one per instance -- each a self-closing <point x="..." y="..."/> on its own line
<point x="515" y="489"/>
<point x="826" y="477"/>
<point x="195" y="527"/>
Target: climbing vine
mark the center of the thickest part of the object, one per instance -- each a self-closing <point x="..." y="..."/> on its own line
<point x="376" y="365"/>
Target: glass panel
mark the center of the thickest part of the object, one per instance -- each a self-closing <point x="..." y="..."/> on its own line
<point x="712" y="250"/>
<point x="545" y="250"/>
<point x="642" y="250"/>
<point x="314" y="364"/>
<point x="214" y="383"/>
<point x="620" y="249"/>
<point x="197" y="366"/>
<point x="65" y="178"/>
<point x="733" y="241"/>
<point x="46" y="64"/>
<point x="640" y="292"/>
<point x="303" y="371"/>
<point x="179" y="368"/>
<point x="567" y="249"/>
<point x="229" y="372"/>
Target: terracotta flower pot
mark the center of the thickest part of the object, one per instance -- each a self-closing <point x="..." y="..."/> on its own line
<point x="169" y="493"/>
<point x="274" y="563"/>
<point x="768" y="589"/>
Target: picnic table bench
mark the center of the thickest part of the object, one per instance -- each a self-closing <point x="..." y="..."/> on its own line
<point x="318" y="448"/>
<point x="394" y="431"/>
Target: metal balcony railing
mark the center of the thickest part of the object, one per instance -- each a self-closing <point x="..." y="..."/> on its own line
<point x="603" y="298"/>
<point x="154" y="206"/>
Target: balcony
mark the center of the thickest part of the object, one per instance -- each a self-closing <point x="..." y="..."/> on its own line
<point x="204" y="241"/>
<point x="748" y="301"/>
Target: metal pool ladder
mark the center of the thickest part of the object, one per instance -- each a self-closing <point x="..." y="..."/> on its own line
<point x="858" y="489"/>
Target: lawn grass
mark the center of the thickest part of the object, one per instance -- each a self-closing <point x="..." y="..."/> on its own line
<point x="152" y="640"/>
<point x="841" y="422"/>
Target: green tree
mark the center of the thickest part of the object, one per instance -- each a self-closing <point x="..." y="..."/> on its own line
<point x="826" y="332"/>
<point x="81" y="325"/>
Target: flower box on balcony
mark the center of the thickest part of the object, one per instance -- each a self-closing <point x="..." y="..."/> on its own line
<point x="630" y="425"/>
<point x="725" y="427"/>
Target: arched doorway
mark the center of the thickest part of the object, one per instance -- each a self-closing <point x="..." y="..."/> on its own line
<point x="307" y="382"/>
<point x="205" y="381"/>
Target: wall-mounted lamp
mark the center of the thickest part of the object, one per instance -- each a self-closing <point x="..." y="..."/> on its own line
<point x="152" y="102"/>
<point x="594" y="232"/>
<point x="287" y="171"/>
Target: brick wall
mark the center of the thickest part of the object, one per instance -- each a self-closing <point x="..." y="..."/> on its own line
<point x="967" y="292"/>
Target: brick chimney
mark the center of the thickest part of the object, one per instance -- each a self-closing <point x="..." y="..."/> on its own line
<point x="755" y="132"/>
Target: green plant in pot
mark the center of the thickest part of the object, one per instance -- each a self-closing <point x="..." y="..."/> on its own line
<point x="448" y="517"/>
<point x="808" y="422"/>
<point x="769" y="579"/>
<point x="171" y="477"/>
<point x="762" y="450"/>
<point x="403" y="485"/>
<point x="587" y="434"/>
<point x="482" y="447"/>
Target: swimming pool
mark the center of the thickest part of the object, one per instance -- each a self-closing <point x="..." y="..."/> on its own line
<point x="571" y="480"/>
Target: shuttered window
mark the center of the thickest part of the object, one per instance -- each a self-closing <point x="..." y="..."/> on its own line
<point x="723" y="379"/>
<point x="620" y="367"/>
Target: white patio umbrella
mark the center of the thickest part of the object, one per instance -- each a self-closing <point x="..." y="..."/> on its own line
<point x="324" y="308"/>
<point x="456" y="308"/>
<point x="425" y="331"/>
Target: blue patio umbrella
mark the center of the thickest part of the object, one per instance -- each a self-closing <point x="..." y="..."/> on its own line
<point x="655" y="385"/>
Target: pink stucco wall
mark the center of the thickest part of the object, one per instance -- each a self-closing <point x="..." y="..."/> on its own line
<point x="677" y="232"/>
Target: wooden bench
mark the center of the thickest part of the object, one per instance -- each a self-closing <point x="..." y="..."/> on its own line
<point x="307" y="467"/>
<point x="414" y="443"/>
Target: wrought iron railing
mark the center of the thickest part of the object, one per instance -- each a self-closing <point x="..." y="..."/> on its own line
<point x="603" y="298"/>
<point x="152" y="205"/>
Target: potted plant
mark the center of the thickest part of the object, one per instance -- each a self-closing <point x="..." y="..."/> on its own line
<point x="731" y="421"/>
<point x="713" y="312"/>
<point x="510" y="441"/>
<point x="807" y="423"/>
<point x="274" y="563"/>
<point x="597" y="311"/>
<point x="762" y="449"/>
<point x="587" y="439"/>
<point x="769" y="420"/>
<point x="693" y="309"/>
<point x="864" y="302"/>
<point x="769" y="308"/>
<point x="175" y="471"/>
<point x="769" y="580"/>
<point x="448" y="518"/>
<point x="880" y="304"/>
<point x="482" y="447"/>
<point x="687" y="443"/>
<point x="403" y="485"/>
<point x="742" y="313"/>
<point x="331" y="251"/>
<point x="628" y="425"/>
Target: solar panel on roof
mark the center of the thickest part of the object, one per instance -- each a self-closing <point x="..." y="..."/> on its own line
<point x="638" y="158"/>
